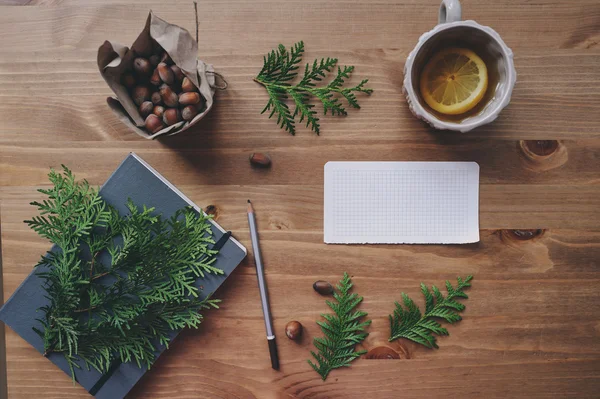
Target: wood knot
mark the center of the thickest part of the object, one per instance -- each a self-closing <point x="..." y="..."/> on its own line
<point x="541" y="148"/>
<point x="523" y="235"/>
<point x="382" y="352"/>
<point x="279" y="224"/>
<point x="542" y="155"/>
<point x="212" y="210"/>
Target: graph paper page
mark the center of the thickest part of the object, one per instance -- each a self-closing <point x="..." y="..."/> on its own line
<point x="401" y="202"/>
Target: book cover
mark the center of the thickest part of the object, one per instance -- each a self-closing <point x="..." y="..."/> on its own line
<point x="137" y="180"/>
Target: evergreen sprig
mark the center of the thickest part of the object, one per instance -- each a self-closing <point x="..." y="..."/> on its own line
<point x="117" y="285"/>
<point x="408" y="322"/>
<point x="343" y="330"/>
<point x="280" y="68"/>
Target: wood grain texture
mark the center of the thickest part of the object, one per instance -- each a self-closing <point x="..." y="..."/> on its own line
<point x="3" y="382"/>
<point x="531" y="328"/>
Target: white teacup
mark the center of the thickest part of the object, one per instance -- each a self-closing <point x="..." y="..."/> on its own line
<point x="451" y="31"/>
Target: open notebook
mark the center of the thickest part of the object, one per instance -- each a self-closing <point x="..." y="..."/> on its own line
<point x="137" y="180"/>
<point x="401" y="202"/>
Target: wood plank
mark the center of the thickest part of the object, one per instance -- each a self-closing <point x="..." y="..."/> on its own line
<point x="291" y="209"/>
<point x="189" y="163"/>
<point x="499" y="254"/>
<point x="546" y="24"/>
<point x="66" y="86"/>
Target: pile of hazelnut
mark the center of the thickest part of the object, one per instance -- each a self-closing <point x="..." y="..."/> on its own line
<point x="161" y="91"/>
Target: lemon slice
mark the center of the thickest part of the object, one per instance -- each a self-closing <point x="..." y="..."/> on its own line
<point x="454" y="81"/>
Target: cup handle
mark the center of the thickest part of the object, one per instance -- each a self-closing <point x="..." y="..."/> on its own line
<point x="450" y="11"/>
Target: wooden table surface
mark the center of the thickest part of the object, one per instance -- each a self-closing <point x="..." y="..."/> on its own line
<point x="532" y="324"/>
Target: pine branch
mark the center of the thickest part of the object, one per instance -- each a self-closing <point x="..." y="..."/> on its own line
<point x="343" y="330"/>
<point x="280" y="67"/>
<point x="408" y="322"/>
<point x="153" y="262"/>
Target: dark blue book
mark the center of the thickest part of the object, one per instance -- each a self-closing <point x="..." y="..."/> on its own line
<point x="137" y="180"/>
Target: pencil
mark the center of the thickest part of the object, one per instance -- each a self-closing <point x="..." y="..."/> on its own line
<point x="262" y="287"/>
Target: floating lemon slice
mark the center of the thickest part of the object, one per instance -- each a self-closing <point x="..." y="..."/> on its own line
<point x="454" y="81"/>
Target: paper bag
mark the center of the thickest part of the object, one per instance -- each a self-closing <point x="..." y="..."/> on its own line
<point x="115" y="59"/>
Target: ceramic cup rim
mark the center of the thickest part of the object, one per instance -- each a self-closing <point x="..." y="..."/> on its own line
<point x="501" y="103"/>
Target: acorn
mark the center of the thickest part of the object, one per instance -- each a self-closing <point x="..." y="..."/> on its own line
<point x="168" y="96"/>
<point x="187" y="85"/>
<point x="154" y="60"/>
<point x="293" y="330"/>
<point x="156" y="98"/>
<point x="189" y="112"/>
<point x="177" y="73"/>
<point x="323" y="287"/>
<point x="146" y="108"/>
<point x="139" y="94"/>
<point x="153" y="123"/>
<point x="260" y="159"/>
<point x="165" y="73"/>
<point x="155" y="78"/>
<point x="142" y="66"/>
<point x="128" y="80"/>
<point x="189" y="98"/>
<point x="171" y="116"/>
<point x="158" y="110"/>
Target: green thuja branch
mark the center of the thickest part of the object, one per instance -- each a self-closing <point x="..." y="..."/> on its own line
<point x="343" y="330"/>
<point x="116" y="284"/>
<point x="280" y="68"/>
<point x="408" y="322"/>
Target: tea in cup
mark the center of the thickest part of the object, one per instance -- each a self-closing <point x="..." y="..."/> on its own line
<point x="460" y="75"/>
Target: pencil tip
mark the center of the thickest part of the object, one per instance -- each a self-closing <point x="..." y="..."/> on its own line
<point x="249" y="202"/>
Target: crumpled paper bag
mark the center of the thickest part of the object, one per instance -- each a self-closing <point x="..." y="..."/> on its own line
<point x="115" y="59"/>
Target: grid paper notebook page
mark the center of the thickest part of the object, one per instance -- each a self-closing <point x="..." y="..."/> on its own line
<point x="401" y="202"/>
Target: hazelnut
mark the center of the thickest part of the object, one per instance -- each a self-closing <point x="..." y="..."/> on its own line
<point x="293" y="330"/>
<point x="165" y="73"/>
<point x="177" y="73"/>
<point x="171" y="116"/>
<point x="139" y="94"/>
<point x="154" y="123"/>
<point x="142" y="66"/>
<point x="323" y="287"/>
<point x="156" y="98"/>
<point x="128" y="80"/>
<point x="146" y="108"/>
<point x="187" y="85"/>
<point x="260" y="159"/>
<point x="189" y="98"/>
<point x="168" y="96"/>
<point x="189" y="112"/>
<point x="154" y="60"/>
<point x="158" y="110"/>
<point x="155" y="78"/>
